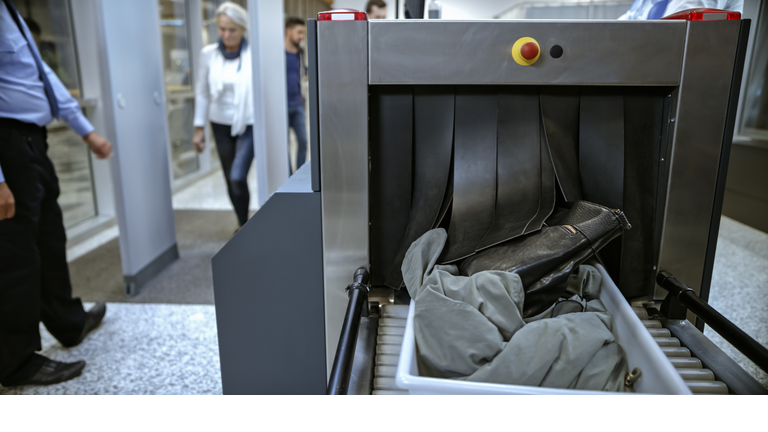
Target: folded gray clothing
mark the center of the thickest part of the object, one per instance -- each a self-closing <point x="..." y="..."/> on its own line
<point x="471" y="328"/>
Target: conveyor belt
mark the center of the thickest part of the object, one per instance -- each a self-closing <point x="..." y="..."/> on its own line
<point x="388" y="345"/>
<point x="698" y="379"/>
<point x="392" y="327"/>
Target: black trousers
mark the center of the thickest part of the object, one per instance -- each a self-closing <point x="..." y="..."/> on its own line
<point x="236" y="155"/>
<point x="34" y="277"/>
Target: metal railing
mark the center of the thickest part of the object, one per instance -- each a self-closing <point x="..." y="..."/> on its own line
<point x="684" y="295"/>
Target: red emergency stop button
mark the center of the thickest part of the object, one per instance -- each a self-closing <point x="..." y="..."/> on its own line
<point x="529" y="51"/>
<point x="526" y="51"/>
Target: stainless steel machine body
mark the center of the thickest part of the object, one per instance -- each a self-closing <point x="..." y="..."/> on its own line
<point x="692" y="67"/>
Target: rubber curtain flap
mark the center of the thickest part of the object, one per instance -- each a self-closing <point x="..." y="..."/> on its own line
<point x="433" y="141"/>
<point x="545" y="260"/>
<point x="518" y="167"/>
<point x="474" y="171"/>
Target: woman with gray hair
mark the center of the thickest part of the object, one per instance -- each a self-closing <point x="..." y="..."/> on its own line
<point x="223" y="96"/>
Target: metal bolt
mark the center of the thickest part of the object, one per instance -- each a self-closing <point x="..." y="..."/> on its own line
<point x="654" y="267"/>
<point x="662" y="159"/>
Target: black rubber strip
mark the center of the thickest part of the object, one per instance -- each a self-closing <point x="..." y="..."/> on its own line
<point x="447" y="200"/>
<point x="518" y="172"/>
<point x="560" y="114"/>
<point x="433" y="108"/>
<point x="391" y="153"/>
<point x="548" y="194"/>
<point x="601" y="148"/>
<point x="601" y="161"/>
<point x="474" y="171"/>
<point x="643" y="121"/>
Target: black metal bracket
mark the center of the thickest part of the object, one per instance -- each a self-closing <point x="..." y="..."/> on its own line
<point x="686" y="297"/>
<point x="338" y="384"/>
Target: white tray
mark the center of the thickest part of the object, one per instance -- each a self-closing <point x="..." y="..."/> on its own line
<point x="658" y="374"/>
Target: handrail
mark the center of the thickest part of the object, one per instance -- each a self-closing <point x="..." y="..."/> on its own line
<point x="743" y="342"/>
<point x="338" y="384"/>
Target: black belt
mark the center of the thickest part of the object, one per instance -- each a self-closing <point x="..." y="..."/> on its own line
<point x="21" y="126"/>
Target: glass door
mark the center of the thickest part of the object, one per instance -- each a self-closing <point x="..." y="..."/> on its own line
<point x="179" y="91"/>
<point x="51" y="26"/>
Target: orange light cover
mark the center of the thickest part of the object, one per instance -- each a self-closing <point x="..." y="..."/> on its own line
<point x="342" y="15"/>
<point x="704" y="14"/>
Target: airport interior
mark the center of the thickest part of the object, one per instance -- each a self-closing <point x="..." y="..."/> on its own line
<point x="399" y="177"/>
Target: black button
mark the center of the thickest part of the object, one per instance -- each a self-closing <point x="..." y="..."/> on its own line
<point x="556" y="51"/>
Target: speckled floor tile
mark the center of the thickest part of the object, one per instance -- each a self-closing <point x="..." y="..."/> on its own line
<point x="141" y="349"/>
<point x="740" y="287"/>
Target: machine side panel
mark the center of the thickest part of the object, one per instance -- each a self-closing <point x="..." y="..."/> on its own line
<point x="699" y="126"/>
<point x="343" y="107"/>
<point x="267" y="283"/>
<point x="605" y="53"/>
<point x="314" y="127"/>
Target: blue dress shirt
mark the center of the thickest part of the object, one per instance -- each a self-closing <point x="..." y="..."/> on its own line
<point x="22" y="95"/>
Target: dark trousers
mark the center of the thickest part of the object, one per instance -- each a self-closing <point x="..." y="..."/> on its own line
<point x="297" y="121"/>
<point x="34" y="277"/>
<point x="236" y="155"/>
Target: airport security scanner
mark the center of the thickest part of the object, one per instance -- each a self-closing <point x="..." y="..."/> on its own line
<point x="486" y="128"/>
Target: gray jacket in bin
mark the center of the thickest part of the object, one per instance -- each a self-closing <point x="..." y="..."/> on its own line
<point x="471" y="328"/>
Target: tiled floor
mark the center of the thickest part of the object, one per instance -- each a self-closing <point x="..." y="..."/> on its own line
<point x="141" y="349"/>
<point x="739" y="288"/>
<point x="210" y="193"/>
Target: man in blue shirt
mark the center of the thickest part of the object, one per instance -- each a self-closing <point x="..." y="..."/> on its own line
<point x="34" y="277"/>
<point x="295" y="29"/>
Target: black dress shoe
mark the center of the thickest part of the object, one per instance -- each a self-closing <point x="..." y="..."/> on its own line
<point x="52" y="372"/>
<point x="92" y="320"/>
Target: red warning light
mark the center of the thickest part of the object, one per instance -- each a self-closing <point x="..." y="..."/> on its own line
<point x="704" y="14"/>
<point x="342" y="15"/>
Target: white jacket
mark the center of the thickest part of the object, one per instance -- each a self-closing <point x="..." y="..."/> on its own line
<point x="209" y="85"/>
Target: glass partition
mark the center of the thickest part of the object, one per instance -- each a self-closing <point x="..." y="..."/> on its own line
<point x="51" y="25"/>
<point x="755" y="115"/>
<point x="179" y="92"/>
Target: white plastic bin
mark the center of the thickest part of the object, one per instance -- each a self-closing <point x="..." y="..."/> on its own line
<point x="658" y="374"/>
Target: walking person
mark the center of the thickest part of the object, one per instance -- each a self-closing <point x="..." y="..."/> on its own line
<point x="295" y="29"/>
<point x="34" y="277"/>
<point x="223" y="96"/>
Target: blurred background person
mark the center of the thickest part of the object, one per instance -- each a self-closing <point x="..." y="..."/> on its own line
<point x="655" y="9"/>
<point x="376" y="9"/>
<point x="34" y="277"/>
<point x="295" y="30"/>
<point x="223" y="95"/>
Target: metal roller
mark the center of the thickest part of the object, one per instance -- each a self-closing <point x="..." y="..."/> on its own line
<point x="474" y="171"/>
<point x="433" y="142"/>
<point x="518" y="184"/>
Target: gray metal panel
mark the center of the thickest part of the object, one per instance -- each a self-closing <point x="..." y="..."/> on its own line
<point x="267" y="282"/>
<point x="699" y="122"/>
<point x="136" y="121"/>
<point x="479" y="52"/>
<point x="314" y="125"/>
<point x="343" y="91"/>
